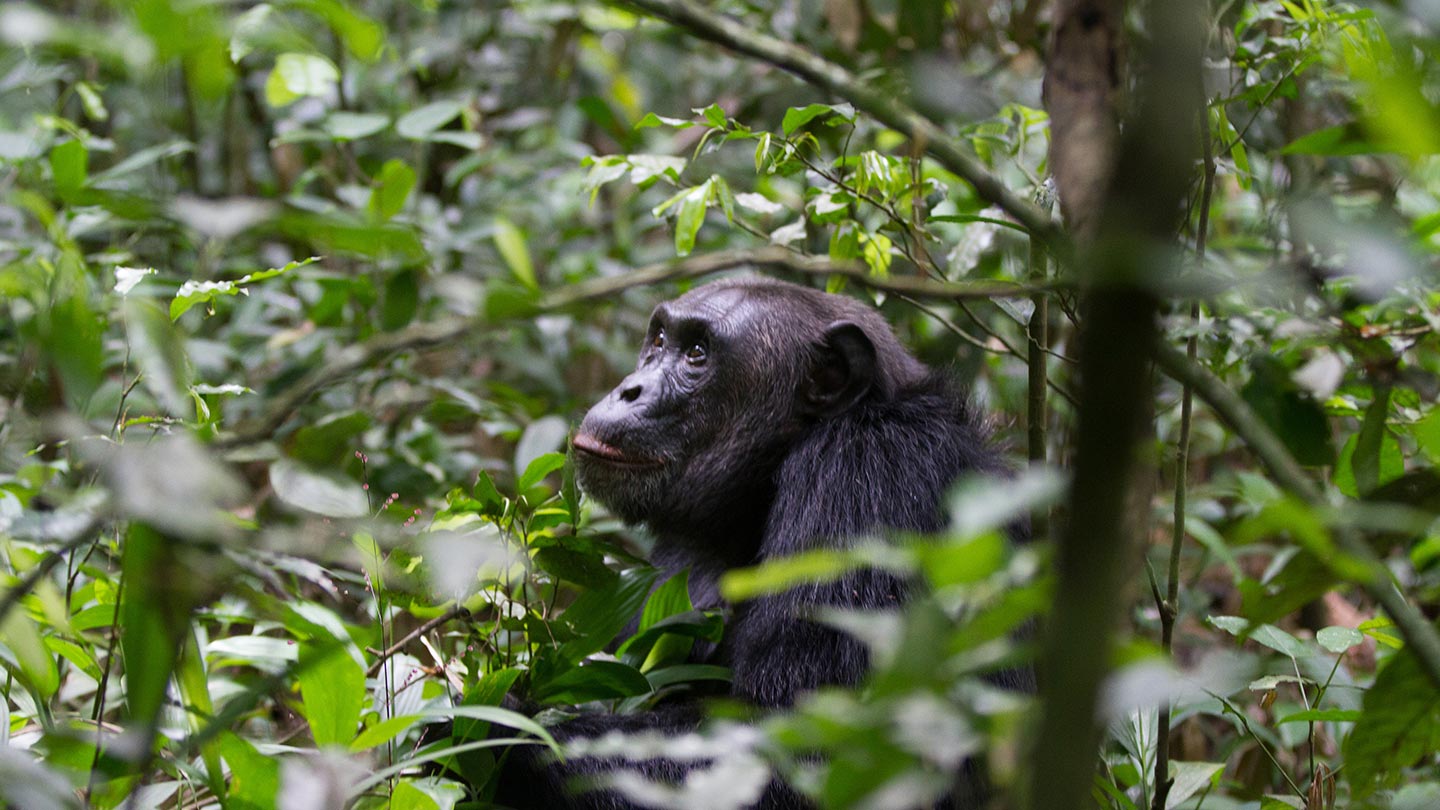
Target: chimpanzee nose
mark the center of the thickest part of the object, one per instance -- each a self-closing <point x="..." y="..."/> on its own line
<point x="630" y="393"/>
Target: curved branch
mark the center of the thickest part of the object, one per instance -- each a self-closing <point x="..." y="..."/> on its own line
<point x="359" y="356"/>
<point x="890" y="111"/>
<point x="1419" y="634"/>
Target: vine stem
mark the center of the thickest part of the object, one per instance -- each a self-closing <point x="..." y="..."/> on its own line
<point x="1170" y="607"/>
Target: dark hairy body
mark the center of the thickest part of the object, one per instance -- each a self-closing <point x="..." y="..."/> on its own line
<point x="763" y="419"/>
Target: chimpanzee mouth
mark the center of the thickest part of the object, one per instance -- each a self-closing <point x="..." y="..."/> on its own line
<point x="593" y="447"/>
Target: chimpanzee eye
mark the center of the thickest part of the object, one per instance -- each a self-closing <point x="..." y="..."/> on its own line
<point x="695" y="355"/>
<point x="658" y="342"/>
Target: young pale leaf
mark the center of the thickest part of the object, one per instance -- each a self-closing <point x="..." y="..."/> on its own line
<point x="298" y="75"/>
<point x="510" y="241"/>
<point x="690" y="216"/>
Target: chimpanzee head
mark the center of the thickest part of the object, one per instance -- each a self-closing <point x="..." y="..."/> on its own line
<point x="730" y="376"/>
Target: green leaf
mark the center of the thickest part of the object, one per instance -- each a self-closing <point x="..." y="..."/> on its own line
<point x="670" y="599"/>
<point x="401" y="299"/>
<point x="1400" y="724"/>
<point x="1337" y="141"/>
<point x="1296" y="419"/>
<point x="419" y="124"/>
<point x="349" y="126"/>
<point x="510" y="241"/>
<point x="254" y="777"/>
<point x="599" y="614"/>
<point x="594" y="680"/>
<point x="797" y="117"/>
<point x="37" y="666"/>
<point x="1427" y="434"/>
<point x="68" y="166"/>
<point x="1190" y="778"/>
<point x="321" y="493"/>
<point x="1322" y="716"/>
<point x="588" y="570"/>
<point x="690" y="216"/>
<point x="1339" y="639"/>
<point x="332" y="687"/>
<point x="159" y="351"/>
<point x="154" y="616"/>
<point x="392" y="188"/>
<point x="781" y="574"/>
<point x="298" y="75"/>
<point x="541" y="466"/>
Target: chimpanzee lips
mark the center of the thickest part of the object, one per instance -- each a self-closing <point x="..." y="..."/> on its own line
<point x="593" y="447"/>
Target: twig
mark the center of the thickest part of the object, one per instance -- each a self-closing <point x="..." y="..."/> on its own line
<point x="455" y="612"/>
<point x="883" y="106"/>
<point x="1037" y="332"/>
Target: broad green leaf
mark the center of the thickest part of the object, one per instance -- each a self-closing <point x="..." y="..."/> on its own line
<point x="1339" y="639"/>
<point x="1190" y="778"/>
<point x="406" y="796"/>
<point x="579" y="567"/>
<point x="320" y="492"/>
<point x="387" y="730"/>
<point x="37" y="666"/>
<point x="420" y="123"/>
<point x="254" y="777"/>
<point x="1296" y="419"/>
<point x="689" y="218"/>
<point x="154" y="616"/>
<point x="68" y="166"/>
<point x="510" y="241"/>
<point x="670" y="599"/>
<point x="332" y="689"/>
<point x="159" y="352"/>
<point x="594" y="680"/>
<point x="1343" y="140"/>
<point x="797" y="117"/>
<point x="1400" y="724"/>
<point x="1427" y="434"/>
<point x="599" y="614"/>
<point x="538" y="468"/>
<point x="348" y="126"/>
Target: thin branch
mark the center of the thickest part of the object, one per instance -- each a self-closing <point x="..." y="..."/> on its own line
<point x="351" y="359"/>
<point x="455" y="612"/>
<point x="1421" y="637"/>
<point x="1170" y="606"/>
<point x="882" y="105"/>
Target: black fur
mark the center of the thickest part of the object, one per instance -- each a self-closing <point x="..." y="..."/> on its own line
<point x="806" y="426"/>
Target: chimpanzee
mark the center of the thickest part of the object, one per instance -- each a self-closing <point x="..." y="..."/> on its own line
<point x="763" y="419"/>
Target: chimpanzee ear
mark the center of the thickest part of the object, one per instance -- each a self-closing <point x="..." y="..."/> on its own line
<point x="843" y="372"/>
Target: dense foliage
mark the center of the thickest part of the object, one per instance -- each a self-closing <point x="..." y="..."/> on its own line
<point x="299" y="301"/>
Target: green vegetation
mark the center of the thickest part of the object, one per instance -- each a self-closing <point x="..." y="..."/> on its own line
<point x="299" y="301"/>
